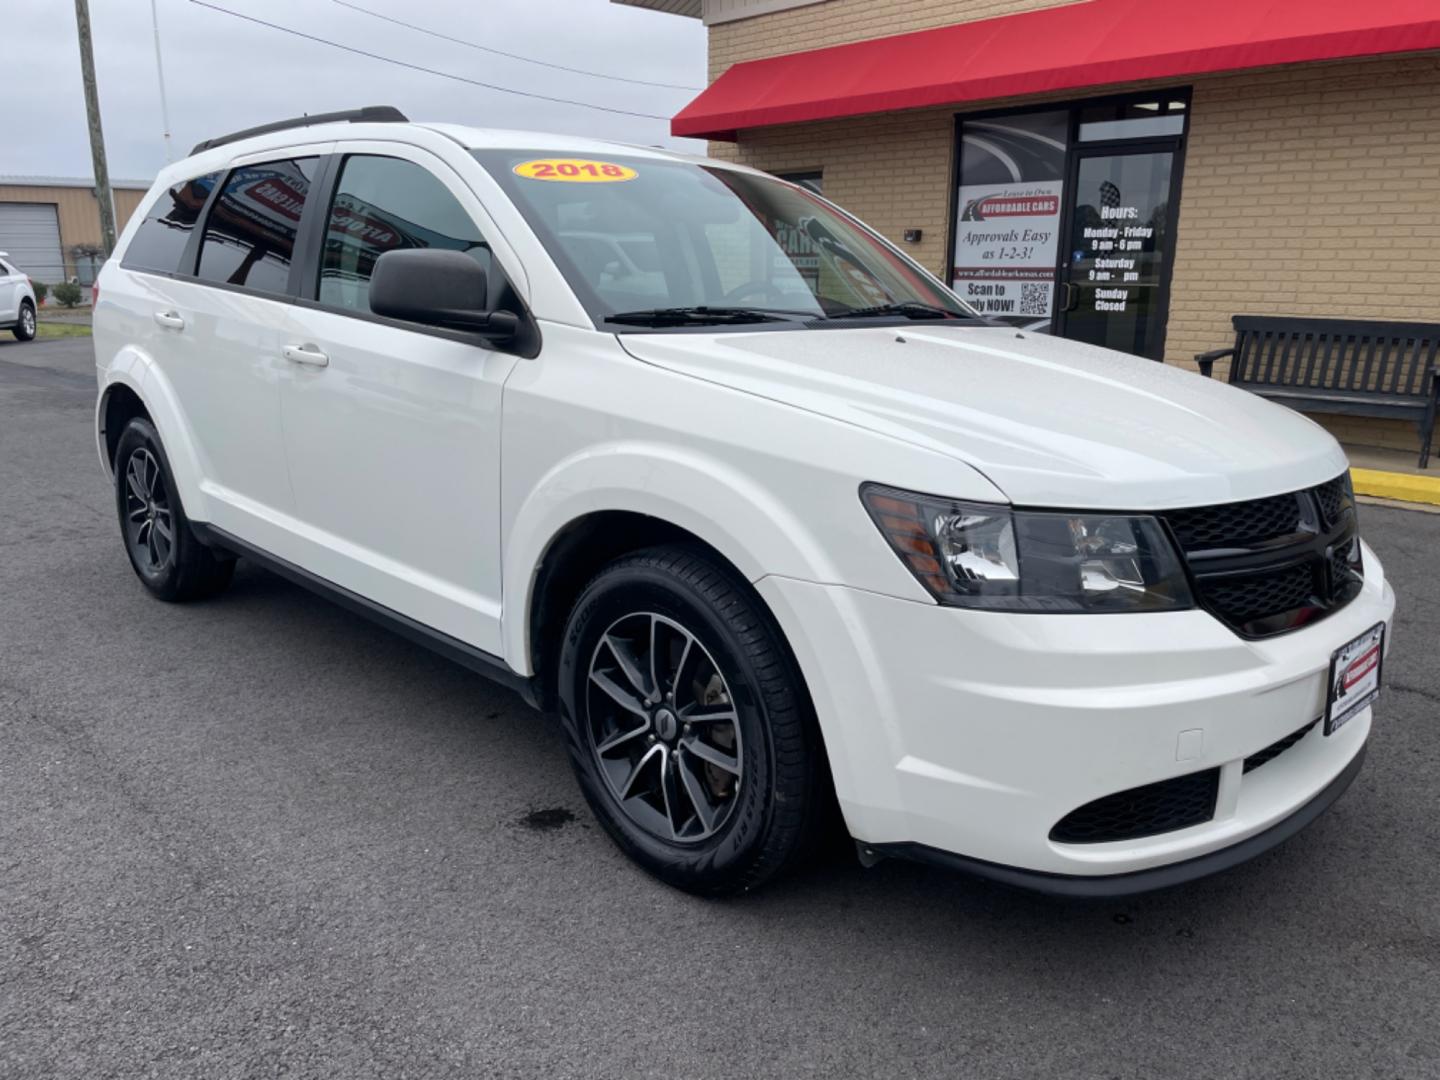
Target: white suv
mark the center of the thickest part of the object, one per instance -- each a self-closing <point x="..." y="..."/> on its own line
<point x="17" y="300"/>
<point x="769" y="517"/>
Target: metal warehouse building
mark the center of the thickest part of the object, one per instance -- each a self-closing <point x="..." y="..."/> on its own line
<point x="43" y="219"/>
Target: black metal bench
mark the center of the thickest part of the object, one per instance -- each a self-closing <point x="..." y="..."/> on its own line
<point x="1348" y="366"/>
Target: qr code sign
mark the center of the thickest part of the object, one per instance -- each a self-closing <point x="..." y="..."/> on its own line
<point x="1034" y="298"/>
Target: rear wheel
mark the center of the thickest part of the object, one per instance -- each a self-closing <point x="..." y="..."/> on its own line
<point x="167" y="556"/>
<point x="688" y="726"/>
<point x="25" y="328"/>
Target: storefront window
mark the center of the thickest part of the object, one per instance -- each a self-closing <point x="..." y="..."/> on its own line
<point x="811" y="181"/>
<point x="1132" y="120"/>
<point x="1064" y="217"/>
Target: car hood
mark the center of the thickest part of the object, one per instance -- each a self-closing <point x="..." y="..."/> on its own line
<point x="1050" y="422"/>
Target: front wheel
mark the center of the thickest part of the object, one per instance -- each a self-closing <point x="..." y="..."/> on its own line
<point x="167" y="556"/>
<point x="688" y="726"/>
<point x="25" y="327"/>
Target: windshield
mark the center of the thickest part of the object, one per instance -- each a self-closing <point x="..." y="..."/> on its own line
<point x="652" y="244"/>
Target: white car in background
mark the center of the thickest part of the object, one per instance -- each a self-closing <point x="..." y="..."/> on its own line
<point x="17" y="300"/>
<point x="768" y="516"/>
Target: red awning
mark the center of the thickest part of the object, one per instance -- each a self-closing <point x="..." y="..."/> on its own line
<point x="1094" y="43"/>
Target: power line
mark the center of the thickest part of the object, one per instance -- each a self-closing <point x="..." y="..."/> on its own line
<point x="510" y="55"/>
<point x="426" y="70"/>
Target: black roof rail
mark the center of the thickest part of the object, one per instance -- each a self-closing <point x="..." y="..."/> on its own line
<point x="370" y="114"/>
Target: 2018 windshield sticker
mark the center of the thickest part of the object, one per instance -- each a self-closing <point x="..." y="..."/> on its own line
<point x="575" y="171"/>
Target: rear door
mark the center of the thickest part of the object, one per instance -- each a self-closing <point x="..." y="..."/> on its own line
<point x="220" y="328"/>
<point x="393" y="429"/>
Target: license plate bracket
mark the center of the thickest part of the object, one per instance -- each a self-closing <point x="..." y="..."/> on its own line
<point x="1354" y="677"/>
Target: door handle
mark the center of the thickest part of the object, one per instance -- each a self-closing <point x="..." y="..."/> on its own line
<point x="170" y="320"/>
<point x="1071" y="296"/>
<point x="306" y="354"/>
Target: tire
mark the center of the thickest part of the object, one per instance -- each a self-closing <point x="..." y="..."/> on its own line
<point x="24" y="329"/>
<point x="174" y="568"/>
<point x="648" y="756"/>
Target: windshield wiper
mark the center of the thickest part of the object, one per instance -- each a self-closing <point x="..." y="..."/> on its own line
<point x="703" y="315"/>
<point x="909" y="309"/>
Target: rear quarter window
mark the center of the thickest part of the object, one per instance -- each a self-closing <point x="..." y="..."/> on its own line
<point x="159" y="243"/>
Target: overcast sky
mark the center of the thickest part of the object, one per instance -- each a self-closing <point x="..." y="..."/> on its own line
<point x="223" y="73"/>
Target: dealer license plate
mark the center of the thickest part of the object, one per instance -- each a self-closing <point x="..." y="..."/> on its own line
<point x="1354" y="677"/>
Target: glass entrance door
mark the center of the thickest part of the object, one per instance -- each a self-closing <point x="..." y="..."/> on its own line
<point x="1115" y="269"/>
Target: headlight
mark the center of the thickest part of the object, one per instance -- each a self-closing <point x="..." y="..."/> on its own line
<point x="983" y="556"/>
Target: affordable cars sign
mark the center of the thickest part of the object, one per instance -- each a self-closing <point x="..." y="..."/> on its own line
<point x="1005" y="243"/>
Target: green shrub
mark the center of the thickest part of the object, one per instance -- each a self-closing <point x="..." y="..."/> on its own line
<point x="41" y="291"/>
<point x="68" y="293"/>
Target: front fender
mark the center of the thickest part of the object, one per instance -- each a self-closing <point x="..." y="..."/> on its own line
<point x="723" y="506"/>
<point x="137" y="371"/>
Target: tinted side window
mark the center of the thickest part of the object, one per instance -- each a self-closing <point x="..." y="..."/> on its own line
<point x="385" y="204"/>
<point x="250" y="233"/>
<point x="160" y="241"/>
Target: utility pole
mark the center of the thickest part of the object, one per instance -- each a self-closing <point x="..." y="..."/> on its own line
<point x="160" y="74"/>
<point x="103" y="194"/>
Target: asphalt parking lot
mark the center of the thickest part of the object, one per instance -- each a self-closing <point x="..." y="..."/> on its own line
<point x="261" y="837"/>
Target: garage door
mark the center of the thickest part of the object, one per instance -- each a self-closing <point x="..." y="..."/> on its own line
<point x="30" y="232"/>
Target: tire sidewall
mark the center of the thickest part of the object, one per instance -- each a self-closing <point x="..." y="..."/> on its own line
<point x="21" y="331"/>
<point x="140" y="433"/>
<point x="628" y="589"/>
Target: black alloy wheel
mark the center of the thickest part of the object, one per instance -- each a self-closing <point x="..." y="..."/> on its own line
<point x="168" y="558"/>
<point x="688" y="724"/>
<point x="662" y="724"/>
<point x="149" y="521"/>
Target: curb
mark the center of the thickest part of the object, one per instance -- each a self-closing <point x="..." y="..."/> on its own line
<point x="1403" y="487"/>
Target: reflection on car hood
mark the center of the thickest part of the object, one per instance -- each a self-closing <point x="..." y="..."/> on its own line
<point x="1050" y="422"/>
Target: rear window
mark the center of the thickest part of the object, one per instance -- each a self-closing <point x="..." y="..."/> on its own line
<point x="160" y="241"/>
<point x="250" y="232"/>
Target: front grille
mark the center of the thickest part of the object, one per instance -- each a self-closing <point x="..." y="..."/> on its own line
<point x="1346" y="571"/>
<point x="1142" y="811"/>
<point x="1241" y="600"/>
<point x="1278" y="747"/>
<point x="1266" y="566"/>
<point x="1235" y="524"/>
<point x="1335" y="497"/>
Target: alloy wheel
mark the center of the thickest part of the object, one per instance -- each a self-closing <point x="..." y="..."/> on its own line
<point x="27" y="321"/>
<point x="663" y="726"/>
<point x="149" y="522"/>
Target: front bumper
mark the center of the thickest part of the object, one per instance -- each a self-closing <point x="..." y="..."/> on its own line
<point x="972" y="733"/>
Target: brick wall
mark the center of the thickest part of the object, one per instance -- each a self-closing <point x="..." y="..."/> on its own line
<point x="1311" y="191"/>
<point x="837" y="22"/>
<point x="891" y="171"/>
<point x="1307" y="190"/>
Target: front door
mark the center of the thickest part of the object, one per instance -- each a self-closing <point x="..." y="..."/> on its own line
<point x="1115" y="265"/>
<point x="392" y="431"/>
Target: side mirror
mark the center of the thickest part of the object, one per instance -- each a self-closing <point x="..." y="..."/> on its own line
<point x="437" y="287"/>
